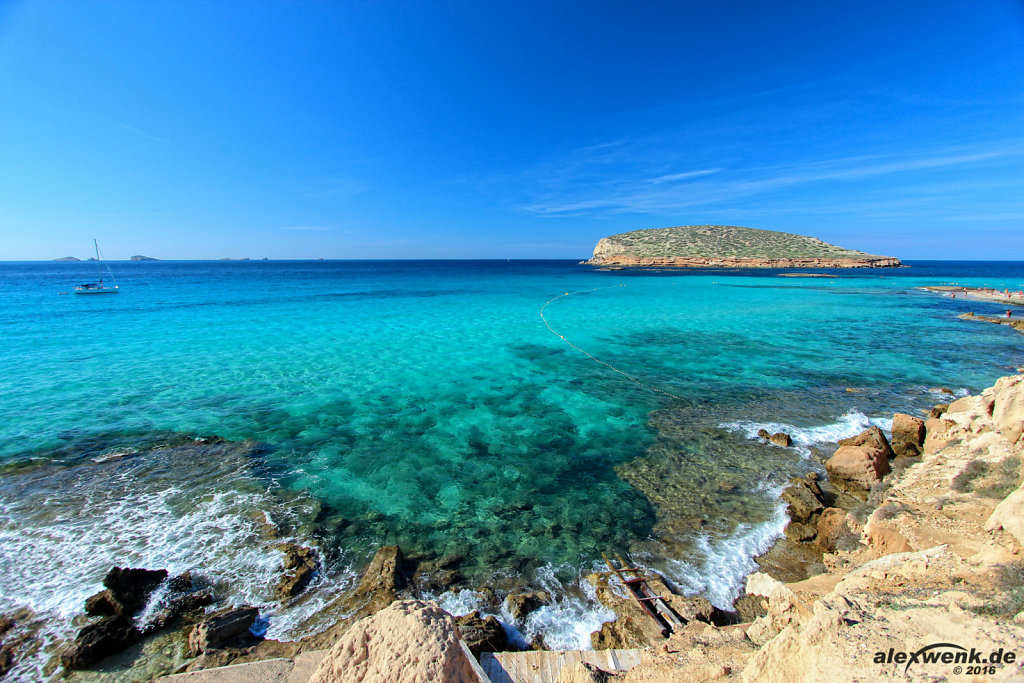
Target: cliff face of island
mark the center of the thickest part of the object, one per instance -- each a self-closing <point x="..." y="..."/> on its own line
<point x="724" y="246"/>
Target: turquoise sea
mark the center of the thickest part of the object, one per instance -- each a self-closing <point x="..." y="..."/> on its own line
<point x="429" y="404"/>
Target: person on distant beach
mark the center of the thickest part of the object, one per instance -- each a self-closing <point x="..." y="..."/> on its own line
<point x="1009" y="313"/>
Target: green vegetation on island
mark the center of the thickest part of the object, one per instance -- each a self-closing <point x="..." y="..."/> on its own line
<point x="725" y="245"/>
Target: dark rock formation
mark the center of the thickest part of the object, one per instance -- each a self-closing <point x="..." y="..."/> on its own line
<point x="127" y="591"/>
<point x="482" y="634"/>
<point x="99" y="639"/>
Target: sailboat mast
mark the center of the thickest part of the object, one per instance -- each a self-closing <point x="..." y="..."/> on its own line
<point x="99" y="266"/>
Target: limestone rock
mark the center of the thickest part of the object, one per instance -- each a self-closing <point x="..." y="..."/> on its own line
<point x="908" y="434"/>
<point x="1008" y="407"/>
<point x="801" y="533"/>
<point x="1009" y="516"/>
<point x="750" y="607"/>
<point x="790" y="561"/>
<point x="521" y="604"/>
<point x="781" y="439"/>
<point x="623" y="633"/>
<point x="407" y="642"/>
<point x="832" y="525"/>
<point x="764" y="434"/>
<point x="856" y="468"/>
<point x="482" y="634"/>
<point x="872" y="436"/>
<point x="99" y="639"/>
<point x="222" y="628"/>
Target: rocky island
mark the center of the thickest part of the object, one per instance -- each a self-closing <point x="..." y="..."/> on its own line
<point x="725" y="246"/>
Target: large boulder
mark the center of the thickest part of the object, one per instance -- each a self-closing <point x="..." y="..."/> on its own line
<point x="832" y="526"/>
<point x="99" y="639"/>
<point x="857" y="468"/>
<point x="908" y="434"/>
<point x="872" y="436"/>
<point x="482" y="634"/>
<point x="1008" y="408"/>
<point x="1009" y="516"/>
<point x="227" y="627"/>
<point x="408" y="642"/>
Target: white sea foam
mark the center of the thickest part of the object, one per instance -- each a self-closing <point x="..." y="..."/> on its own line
<point x="849" y="424"/>
<point x="568" y="621"/>
<point x="60" y="548"/>
<point x="726" y="562"/>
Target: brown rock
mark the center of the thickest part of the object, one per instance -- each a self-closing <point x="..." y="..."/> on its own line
<point x="832" y="525"/>
<point x="789" y="561"/>
<point x="907" y="435"/>
<point x="872" y="436"/>
<point x="802" y="503"/>
<point x="227" y="627"/>
<point x="482" y="634"/>
<point x="781" y="439"/>
<point x="763" y="433"/>
<point x="623" y="633"/>
<point x="938" y="410"/>
<point x="300" y="563"/>
<point x="857" y="468"/>
<point x="98" y="640"/>
<point x="408" y="641"/>
<point x="521" y="604"/>
<point x="801" y="533"/>
<point x="749" y="607"/>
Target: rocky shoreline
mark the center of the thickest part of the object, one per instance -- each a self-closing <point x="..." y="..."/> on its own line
<point x="866" y="540"/>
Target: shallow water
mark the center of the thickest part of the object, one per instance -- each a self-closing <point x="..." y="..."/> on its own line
<point x="427" y="404"/>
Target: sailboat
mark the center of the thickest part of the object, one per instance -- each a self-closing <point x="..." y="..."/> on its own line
<point x="98" y="287"/>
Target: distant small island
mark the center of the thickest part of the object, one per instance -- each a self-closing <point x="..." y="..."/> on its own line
<point x="233" y="259"/>
<point x="726" y="246"/>
<point x="139" y="257"/>
<point x="67" y="258"/>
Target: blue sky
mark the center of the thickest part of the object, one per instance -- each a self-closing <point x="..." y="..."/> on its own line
<point x="506" y="130"/>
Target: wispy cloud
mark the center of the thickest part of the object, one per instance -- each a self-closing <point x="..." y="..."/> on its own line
<point x="582" y="188"/>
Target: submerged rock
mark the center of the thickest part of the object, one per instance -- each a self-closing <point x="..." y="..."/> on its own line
<point x="98" y="640"/>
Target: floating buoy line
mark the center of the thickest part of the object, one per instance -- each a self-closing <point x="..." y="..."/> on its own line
<point x="591" y="356"/>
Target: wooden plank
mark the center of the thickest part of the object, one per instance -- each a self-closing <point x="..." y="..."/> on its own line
<point x="473" y="664"/>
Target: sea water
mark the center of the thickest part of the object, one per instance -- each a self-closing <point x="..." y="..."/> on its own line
<point x="430" y="405"/>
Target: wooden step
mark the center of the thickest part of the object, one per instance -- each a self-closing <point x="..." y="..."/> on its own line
<point x="544" y="666"/>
